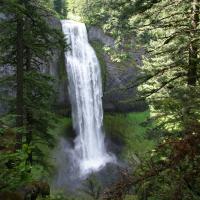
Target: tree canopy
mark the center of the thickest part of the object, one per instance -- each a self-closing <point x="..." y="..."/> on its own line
<point x="166" y="32"/>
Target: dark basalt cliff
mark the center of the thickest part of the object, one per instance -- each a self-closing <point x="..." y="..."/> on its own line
<point x="55" y="66"/>
<point x="116" y="76"/>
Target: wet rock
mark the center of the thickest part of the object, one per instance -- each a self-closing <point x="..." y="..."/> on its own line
<point x="118" y="96"/>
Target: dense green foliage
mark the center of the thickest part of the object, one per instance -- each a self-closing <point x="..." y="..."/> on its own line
<point x="164" y="141"/>
<point x="130" y="131"/>
<point x="28" y="47"/>
<point x="169" y="31"/>
<point x="60" y="7"/>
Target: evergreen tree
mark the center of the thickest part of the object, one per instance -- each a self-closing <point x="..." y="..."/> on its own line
<point x="19" y="74"/>
<point x="60" y="7"/>
<point x="169" y="81"/>
<point x="26" y="22"/>
<point x="171" y="85"/>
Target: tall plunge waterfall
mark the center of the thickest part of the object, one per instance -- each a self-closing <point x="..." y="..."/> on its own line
<point x="85" y="90"/>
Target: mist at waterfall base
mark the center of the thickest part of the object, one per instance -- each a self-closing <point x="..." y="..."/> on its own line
<point x="88" y="153"/>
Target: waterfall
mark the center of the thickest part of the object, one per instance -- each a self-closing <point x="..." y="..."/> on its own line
<point x="85" y="90"/>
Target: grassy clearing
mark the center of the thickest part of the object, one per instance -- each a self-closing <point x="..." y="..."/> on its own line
<point x="129" y="129"/>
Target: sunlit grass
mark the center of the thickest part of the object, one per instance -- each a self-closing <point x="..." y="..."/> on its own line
<point x="130" y="129"/>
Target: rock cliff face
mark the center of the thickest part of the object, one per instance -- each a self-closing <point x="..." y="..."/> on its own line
<point x="116" y="76"/>
<point x="55" y="67"/>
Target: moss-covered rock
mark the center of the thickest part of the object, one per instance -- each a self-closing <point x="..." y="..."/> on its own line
<point x="117" y="74"/>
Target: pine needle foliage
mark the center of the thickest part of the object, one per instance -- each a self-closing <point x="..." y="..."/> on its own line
<point x="26" y="24"/>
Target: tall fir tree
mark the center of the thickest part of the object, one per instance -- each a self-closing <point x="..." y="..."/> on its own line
<point x="169" y="81"/>
<point x="27" y="42"/>
<point x="60" y="7"/>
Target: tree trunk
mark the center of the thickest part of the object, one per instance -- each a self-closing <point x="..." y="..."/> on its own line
<point x="193" y="49"/>
<point x="29" y="129"/>
<point x="29" y="132"/>
<point x="19" y="77"/>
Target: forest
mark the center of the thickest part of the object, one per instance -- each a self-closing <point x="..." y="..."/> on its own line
<point x="99" y="100"/>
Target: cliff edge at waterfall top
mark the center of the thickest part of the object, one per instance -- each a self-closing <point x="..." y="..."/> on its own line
<point x="85" y="90"/>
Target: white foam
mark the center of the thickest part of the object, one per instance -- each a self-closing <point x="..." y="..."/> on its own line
<point x="85" y="90"/>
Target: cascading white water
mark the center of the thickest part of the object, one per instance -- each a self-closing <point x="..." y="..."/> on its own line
<point x="85" y="90"/>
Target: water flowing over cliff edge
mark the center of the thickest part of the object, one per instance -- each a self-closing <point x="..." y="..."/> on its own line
<point x="85" y="90"/>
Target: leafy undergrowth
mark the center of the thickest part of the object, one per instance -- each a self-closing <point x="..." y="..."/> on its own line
<point x="131" y="130"/>
<point x="128" y="129"/>
<point x="61" y="128"/>
<point x="131" y="197"/>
